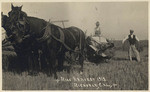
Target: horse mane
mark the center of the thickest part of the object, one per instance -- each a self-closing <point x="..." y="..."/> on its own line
<point x="41" y="20"/>
<point x="35" y="18"/>
<point x="23" y="14"/>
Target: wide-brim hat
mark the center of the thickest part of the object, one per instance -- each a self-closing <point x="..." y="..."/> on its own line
<point x="131" y="31"/>
<point x="97" y="22"/>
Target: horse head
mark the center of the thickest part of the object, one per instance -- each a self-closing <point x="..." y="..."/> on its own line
<point x="6" y="24"/>
<point x="15" y="24"/>
<point x="4" y="19"/>
<point x="17" y="34"/>
<point x="16" y="13"/>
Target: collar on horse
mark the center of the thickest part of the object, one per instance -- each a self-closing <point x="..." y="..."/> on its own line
<point x="47" y="34"/>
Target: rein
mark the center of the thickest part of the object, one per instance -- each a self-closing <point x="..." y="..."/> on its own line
<point x="47" y="34"/>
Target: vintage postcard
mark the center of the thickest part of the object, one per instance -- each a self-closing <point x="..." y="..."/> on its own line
<point x="92" y="46"/>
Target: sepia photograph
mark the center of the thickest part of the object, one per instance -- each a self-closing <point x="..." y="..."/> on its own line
<point x="74" y="46"/>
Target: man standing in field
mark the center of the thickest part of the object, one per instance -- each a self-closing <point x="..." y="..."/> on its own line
<point x="132" y="40"/>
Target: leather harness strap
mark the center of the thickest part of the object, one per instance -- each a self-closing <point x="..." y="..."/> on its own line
<point x="46" y="34"/>
<point x="72" y="35"/>
<point x="62" y="37"/>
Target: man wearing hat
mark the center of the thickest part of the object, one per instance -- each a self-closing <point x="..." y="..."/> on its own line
<point x="97" y="29"/>
<point x="96" y="39"/>
<point x="132" y="40"/>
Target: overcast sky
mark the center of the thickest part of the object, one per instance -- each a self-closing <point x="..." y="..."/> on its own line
<point x="116" y="18"/>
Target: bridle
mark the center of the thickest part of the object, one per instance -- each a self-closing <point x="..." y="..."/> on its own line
<point x="23" y="28"/>
<point x="12" y="18"/>
<point x="17" y="25"/>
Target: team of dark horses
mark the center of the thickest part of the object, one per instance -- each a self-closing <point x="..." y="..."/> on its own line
<point x="41" y="45"/>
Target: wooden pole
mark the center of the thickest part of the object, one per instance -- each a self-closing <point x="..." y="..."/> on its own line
<point x="62" y="21"/>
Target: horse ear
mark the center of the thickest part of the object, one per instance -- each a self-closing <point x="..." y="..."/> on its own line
<point x="12" y="7"/>
<point x="1" y="13"/>
<point x="20" y="7"/>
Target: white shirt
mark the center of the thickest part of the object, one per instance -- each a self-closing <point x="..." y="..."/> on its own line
<point x="131" y="37"/>
<point x="97" y="29"/>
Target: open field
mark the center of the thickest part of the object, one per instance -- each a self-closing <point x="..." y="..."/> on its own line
<point x="118" y="74"/>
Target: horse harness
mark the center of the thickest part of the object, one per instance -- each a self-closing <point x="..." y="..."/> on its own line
<point x="47" y="34"/>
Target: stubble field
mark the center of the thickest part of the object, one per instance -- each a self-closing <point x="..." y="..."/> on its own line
<point x="117" y="74"/>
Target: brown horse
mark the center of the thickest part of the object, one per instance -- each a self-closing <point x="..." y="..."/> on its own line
<point x="25" y="53"/>
<point x="51" y="39"/>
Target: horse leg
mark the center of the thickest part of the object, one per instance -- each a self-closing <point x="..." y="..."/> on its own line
<point x="35" y="63"/>
<point x="43" y="61"/>
<point x="39" y="59"/>
<point x="48" y="65"/>
<point x="52" y="67"/>
<point x="81" y="59"/>
<point x="60" y="61"/>
<point x="30" y="63"/>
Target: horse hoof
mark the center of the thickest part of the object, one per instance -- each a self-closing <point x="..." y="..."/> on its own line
<point x="59" y="69"/>
<point x="55" y="77"/>
<point x="30" y="73"/>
